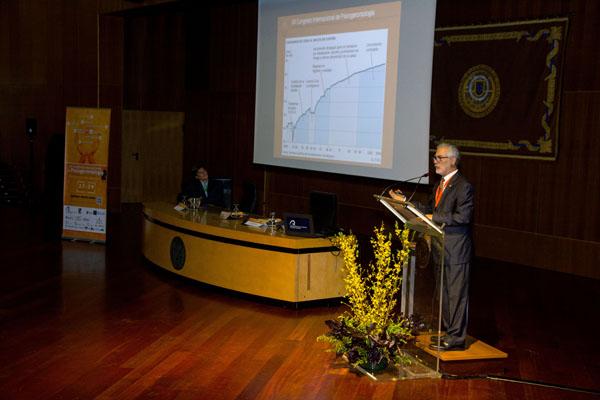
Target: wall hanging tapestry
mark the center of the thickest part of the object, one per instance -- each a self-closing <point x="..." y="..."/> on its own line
<point x="496" y="88"/>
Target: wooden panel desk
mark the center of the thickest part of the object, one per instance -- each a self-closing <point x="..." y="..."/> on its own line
<point x="202" y="246"/>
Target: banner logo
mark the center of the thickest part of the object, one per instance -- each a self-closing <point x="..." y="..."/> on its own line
<point x="479" y="91"/>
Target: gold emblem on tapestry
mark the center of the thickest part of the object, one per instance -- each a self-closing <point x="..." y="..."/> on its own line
<point x="479" y="91"/>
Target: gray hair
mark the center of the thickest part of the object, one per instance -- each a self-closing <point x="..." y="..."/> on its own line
<point x="452" y="151"/>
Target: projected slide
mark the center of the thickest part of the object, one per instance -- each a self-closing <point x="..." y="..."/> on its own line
<point x="336" y="85"/>
<point x="334" y="95"/>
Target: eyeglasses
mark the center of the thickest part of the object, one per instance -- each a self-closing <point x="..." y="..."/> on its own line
<point x="439" y="158"/>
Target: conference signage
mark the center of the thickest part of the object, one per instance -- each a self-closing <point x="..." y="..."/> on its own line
<point x="86" y="168"/>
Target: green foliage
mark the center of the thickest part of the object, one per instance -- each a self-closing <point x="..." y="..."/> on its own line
<point x="370" y="333"/>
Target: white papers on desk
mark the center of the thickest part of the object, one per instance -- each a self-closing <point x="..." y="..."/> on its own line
<point x="255" y="222"/>
<point x="225" y="214"/>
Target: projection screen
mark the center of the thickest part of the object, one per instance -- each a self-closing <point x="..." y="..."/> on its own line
<point x="345" y="86"/>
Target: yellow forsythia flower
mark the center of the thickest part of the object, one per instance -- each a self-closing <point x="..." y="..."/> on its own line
<point x="372" y="295"/>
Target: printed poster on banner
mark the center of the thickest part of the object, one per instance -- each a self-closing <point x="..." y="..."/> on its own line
<point x="86" y="170"/>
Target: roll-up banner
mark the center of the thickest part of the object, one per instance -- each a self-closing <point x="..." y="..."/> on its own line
<point x="86" y="170"/>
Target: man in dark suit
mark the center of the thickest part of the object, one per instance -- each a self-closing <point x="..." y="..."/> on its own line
<point x="201" y="186"/>
<point x="452" y="205"/>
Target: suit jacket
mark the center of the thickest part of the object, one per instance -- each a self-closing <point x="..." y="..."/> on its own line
<point x="215" y="192"/>
<point x="455" y="211"/>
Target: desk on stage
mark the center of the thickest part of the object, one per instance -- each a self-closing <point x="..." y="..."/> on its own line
<point x="198" y="244"/>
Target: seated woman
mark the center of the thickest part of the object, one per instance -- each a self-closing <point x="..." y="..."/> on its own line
<point x="201" y="186"/>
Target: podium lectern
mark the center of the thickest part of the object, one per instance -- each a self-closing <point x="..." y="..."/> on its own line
<point x="421" y="291"/>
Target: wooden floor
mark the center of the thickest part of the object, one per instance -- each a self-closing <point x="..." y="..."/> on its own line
<point x="82" y="321"/>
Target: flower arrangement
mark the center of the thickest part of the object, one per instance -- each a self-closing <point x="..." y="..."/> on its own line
<point x="370" y="335"/>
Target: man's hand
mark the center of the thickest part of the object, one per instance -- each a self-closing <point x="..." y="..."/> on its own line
<point x="397" y="195"/>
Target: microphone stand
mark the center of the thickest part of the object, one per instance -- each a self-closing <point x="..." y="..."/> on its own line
<point x="415" y="190"/>
<point x="409" y="180"/>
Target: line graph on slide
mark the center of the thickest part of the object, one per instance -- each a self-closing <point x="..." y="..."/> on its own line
<point x="333" y="97"/>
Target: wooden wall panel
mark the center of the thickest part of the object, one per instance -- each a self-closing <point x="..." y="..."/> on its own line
<point x="220" y="80"/>
<point x="120" y="6"/>
<point x="5" y="40"/>
<point x="196" y="131"/>
<point x="555" y="253"/>
<point x="28" y="41"/>
<point x="48" y="61"/>
<point x="111" y="95"/>
<point x="583" y="64"/>
<point x="241" y="169"/>
<point x="570" y="190"/>
<point x="233" y="47"/>
<point x="80" y="51"/>
<point x="154" y="61"/>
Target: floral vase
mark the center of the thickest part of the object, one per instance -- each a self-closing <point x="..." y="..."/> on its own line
<point x="375" y="367"/>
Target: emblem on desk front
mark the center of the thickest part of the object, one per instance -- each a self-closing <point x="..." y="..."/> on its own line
<point x="177" y="253"/>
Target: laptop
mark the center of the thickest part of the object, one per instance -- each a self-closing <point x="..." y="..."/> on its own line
<point x="299" y="225"/>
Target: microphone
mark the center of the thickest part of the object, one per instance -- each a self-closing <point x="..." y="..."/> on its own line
<point x="419" y="177"/>
<point x="388" y="187"/>
<point x="416" y="186"/>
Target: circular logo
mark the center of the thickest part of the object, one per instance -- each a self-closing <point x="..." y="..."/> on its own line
<point x="479" y="91"/>
<point x="177" y="253"/>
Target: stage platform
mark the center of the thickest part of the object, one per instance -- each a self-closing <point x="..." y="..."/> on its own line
<point x="477" y="350"/>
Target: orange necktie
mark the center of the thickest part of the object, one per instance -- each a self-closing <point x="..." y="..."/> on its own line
<point x="439" y="191"/>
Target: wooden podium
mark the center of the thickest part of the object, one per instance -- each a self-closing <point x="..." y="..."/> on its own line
<point x="412" y="289"/>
